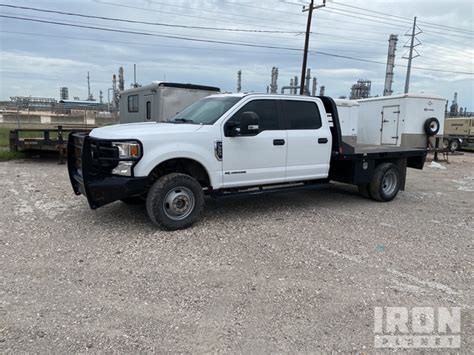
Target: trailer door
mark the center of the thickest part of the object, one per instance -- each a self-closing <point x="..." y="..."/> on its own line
<point x="390" y="116"/>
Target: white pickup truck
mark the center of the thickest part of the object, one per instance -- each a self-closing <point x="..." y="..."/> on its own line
<point x="226" y="146"/>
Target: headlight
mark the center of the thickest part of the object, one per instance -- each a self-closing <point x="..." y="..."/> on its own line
<point x="126" y="150"/>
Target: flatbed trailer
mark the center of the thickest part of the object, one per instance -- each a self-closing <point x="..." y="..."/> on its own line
<point x="49" y="139"/>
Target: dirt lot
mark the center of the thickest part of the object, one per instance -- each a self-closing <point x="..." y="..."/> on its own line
<point x="297" y="272"/>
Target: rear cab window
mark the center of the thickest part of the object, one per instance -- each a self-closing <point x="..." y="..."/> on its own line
<point x="301" y="114"/>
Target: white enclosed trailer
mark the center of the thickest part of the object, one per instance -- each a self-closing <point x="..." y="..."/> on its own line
<point x="160" y="101"/>
<point x="400" y="120"/>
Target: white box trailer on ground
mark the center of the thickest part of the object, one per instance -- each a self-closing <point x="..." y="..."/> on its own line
<point x="160" y="101"/>
<point x="401" y="120"/>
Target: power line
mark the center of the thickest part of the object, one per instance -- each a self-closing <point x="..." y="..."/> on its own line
<point x="428" y="24"/>
<point x="144" y="44"/>
<point x="261" y="8"/>
<point x="233" y="21"/>
<point x="184" y="15"/>
<point x="227" y="43"/>
<point x="217" y="12"/>
<point x="168" y="25"/>
<point x="167" y="45"/>
<point x="371" y="19"/>
<point x="144" y="22"/>
<point x="350" y="14"/>
<point x="296" y="14"/>
<point x="194" y="35"/>
<point x="187" y="8"/>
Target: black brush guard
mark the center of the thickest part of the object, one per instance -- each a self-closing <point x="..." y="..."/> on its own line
<point x="90" y="163"/>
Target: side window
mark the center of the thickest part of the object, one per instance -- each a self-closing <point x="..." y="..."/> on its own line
<point x="148" y="110"/>
<point x="133" y="103"/>
<point x="301" y="114"/>
<point x="266" y="111"/>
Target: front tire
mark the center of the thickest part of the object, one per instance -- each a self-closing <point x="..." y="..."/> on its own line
<point x="175" y="201"/>
<point x="385" y="183"/>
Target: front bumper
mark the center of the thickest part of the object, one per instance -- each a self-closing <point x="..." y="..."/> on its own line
<point x="90" y="163"/>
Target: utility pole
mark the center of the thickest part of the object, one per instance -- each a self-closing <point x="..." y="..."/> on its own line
<point x="410" y="53"/>
<point x="306" y="42"/>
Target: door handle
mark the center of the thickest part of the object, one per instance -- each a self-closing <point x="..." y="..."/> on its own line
<point x="322" y="140"/>
<point x="278" y="142"/>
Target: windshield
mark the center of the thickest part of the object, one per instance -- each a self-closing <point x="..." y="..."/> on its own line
<point x="206" y="111"/>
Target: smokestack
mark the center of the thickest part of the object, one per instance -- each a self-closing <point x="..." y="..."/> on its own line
<point x="308" y="80"/>
<point x="89" y="96"/>
<point x="239" y="81"/>
<point x="296" y="85"/>
<point x="114" y="91"/>
<point x="121" y="81"/>
<point x="392" y="47"/>
<point x="322" y="90"/>
<point x="274" y="81"/>
<point x="315" y="84"/>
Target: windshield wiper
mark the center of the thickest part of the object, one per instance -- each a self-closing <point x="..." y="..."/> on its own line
<point x="182" y="120"/>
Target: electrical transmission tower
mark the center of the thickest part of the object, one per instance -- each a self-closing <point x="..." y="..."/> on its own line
<point x="414" y="32"/>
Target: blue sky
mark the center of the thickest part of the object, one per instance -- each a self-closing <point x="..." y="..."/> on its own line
<point x="38" y="58"/>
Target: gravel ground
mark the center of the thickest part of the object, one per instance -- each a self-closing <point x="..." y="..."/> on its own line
<point x="295" y="272"/>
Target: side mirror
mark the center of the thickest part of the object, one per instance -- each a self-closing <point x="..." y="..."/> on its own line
<point x="249" y="123"/>
<point x="232" y="129"/>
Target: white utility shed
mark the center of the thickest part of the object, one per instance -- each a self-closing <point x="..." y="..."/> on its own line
<point x="399" y="120"/>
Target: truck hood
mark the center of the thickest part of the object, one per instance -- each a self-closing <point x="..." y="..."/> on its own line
<point x="137" y="130"/>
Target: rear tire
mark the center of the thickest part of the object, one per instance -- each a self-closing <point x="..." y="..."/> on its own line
<point x="175" y="201"/>
<point x="385" y="183"/>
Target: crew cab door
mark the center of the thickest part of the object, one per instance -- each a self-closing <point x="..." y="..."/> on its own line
<point x="309" y="140"/>
<point x="258" y="156"/>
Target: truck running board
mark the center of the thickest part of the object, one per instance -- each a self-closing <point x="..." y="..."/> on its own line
<point x="257" y="191"/>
